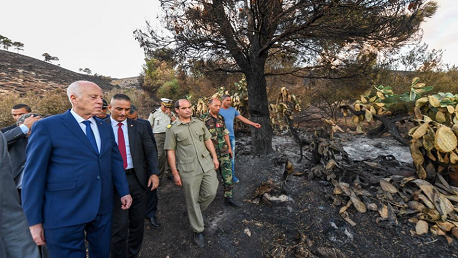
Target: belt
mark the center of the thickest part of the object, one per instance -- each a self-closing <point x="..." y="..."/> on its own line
<point x="130" y="171"/>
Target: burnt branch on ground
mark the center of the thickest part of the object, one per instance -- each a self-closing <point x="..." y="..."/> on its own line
<point x="300" y="140"/>
<point x="388" y="124"/>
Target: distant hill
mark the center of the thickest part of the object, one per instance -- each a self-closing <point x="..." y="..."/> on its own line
<point x="21" y="74"/>
<point x="130" y="82"/>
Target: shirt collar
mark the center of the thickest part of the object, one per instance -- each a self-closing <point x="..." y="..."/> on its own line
<point x="115" y="123"/>
<point x="79" y="119"/>
<point x="178" y="121"/>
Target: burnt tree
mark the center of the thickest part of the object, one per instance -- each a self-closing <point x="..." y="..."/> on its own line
<point x="240" y="36"/>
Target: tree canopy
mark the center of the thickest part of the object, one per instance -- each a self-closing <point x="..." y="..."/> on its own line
<point x="86" y="70"/>
<point x="49" y="58"/>
<point x="244" y="36"/>
<point x="7" y="43"/>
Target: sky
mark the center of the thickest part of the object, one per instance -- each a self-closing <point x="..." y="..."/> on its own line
<point x="98" y="34"/>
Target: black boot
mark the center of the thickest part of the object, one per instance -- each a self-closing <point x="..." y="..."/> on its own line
<point x="199" y="239"/>
<point x="229" y="201"/>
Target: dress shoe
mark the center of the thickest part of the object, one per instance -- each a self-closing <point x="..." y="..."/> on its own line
<point x="199" y="239"/>
<point x="230" y="202"/>
<point x="154" y="222"/>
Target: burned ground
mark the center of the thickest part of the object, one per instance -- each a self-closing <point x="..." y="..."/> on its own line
<point x="307" y="224"/>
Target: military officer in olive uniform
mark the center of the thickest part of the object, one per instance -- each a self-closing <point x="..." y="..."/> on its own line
<point x="188" y="140"/>
<point x="220" y="138"/>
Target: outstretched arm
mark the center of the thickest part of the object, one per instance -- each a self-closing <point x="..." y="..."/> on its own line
<point x="248" y="122"/>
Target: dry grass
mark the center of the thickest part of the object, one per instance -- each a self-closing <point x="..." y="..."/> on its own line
<point x="56" y="102"/>
<point x="50" y="103"/>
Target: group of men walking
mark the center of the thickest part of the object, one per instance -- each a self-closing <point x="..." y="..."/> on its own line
<point x="90" y="176"/>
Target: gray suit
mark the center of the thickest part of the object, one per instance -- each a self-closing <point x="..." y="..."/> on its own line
<point x="6" y="129"/>
<point x="17" y="143"/>
<point x="15" y="240"/>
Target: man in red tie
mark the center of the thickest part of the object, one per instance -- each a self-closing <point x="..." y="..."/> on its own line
<point x="140" y="164"/>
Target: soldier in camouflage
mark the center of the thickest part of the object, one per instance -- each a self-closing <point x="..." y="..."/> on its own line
<point x="220" y="138"/>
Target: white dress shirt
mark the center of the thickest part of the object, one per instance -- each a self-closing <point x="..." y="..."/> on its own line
<point x="115" y="126"/>
<point x="94" y="127"/>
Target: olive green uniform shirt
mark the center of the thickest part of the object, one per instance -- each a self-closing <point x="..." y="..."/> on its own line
<point x="188" y="140"/>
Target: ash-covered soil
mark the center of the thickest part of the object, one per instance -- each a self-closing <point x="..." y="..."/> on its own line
<point x="304" y="223"/>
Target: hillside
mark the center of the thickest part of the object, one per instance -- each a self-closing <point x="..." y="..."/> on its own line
<point x="130" y="82"/>
<point x="19" y="73"/>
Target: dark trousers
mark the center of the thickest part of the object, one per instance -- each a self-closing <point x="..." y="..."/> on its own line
<point x="128" y="225"/>
<point x="151" y="203"/>
<point x="68" y="242"/>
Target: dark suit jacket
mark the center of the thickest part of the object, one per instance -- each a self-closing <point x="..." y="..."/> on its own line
<point x="5" y="129"/>
<point x="15" y="240"/>
<point x="17" y="142"/>
<point x="66" y="182"/>
<point x="142" y="151"/>
<point x="150" y="130"/>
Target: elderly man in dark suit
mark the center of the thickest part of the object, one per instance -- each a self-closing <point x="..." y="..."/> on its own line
<point x="72" y="166"/>
<point x="15" y="238"/>
<point x="140" y="161"/>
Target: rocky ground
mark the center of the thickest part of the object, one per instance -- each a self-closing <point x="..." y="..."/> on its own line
<point x="301" y="222"/>
<point x="23" y="74"/>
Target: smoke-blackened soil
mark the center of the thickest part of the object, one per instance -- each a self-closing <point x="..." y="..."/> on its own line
<point x="299" y="221"/>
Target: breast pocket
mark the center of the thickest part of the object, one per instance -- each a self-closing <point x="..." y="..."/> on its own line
<point x="183" y="140"/>
<point x="200" y="135"/>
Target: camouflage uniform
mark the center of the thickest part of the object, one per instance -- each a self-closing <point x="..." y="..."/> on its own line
<point x="218" y="130"/>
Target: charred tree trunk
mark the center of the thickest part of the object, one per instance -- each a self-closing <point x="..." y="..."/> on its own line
<point x="259" y="110"/>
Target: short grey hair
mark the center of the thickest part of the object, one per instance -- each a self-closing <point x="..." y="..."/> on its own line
<point x="212" y="99"/>
<point x="74" y="89"/>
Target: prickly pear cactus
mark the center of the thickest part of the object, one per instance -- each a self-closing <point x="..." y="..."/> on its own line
<point x="381" y="101"/>
<point x="435" y="137"/>
<point x="239" y="99"/>
<point x="285" y="106"/>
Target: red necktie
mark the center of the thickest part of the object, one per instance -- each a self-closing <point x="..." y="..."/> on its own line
<point x="122" y="145"/>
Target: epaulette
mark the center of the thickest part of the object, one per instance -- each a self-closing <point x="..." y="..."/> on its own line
<point x="152" y="112"/>
<point x="170" y="125"/>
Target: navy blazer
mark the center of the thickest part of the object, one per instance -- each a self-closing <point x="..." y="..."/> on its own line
<point x="66" y="182"/>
